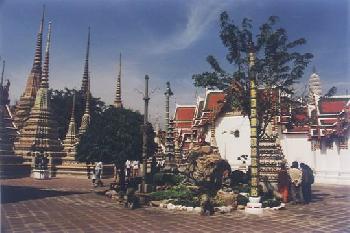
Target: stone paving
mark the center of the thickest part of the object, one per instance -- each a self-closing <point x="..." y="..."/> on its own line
<point x="70" y="205"/>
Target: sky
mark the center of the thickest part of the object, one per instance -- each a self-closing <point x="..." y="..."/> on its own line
<point x="167" y="39"/>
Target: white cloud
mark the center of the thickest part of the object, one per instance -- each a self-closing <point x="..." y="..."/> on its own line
<point x="200" y="15"/>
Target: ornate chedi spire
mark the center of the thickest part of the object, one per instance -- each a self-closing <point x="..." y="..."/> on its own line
<point x="70" y="141"/>
<point x="85" y="121"/>
<point x="84" y="84"/>
<point x="118" y="94"/>
<point x="39" y="132"/>
<point x="315" y="87"/>
<point x="26" y="101"/>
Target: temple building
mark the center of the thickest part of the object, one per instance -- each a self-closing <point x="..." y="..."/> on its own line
<point x="316" y="133"/>
<point x="71" y="140"/>
<point x="26" y="101"/>
<point x="11" y="166"/>
<point x="39" y="132"/>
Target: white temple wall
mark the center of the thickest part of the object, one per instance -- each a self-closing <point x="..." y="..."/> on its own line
<point x="331" y="165"/>
<point x="231" y="147"/>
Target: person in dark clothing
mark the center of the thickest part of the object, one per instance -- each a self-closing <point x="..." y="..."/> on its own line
<point x="307" y="181"/>
<point x="283" y="183"/>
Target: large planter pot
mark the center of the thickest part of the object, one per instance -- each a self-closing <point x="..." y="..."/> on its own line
<point x="254" y="199"/>
<point x="41" y="174"/>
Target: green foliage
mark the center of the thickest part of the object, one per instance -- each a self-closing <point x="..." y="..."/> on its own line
<point x="242" y="200"/>
<point x="61" y="105"/>
<point x="114" y="136"/>
<point x="277" y="64"/>
<point x="271" y="203"/>
<point x="176" y="192"/>
<point x="331" y="92"/>
<point x="167" y="179"/>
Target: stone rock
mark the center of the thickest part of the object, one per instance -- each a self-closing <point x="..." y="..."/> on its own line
<point x="155" y="203"/>
<point x="178" y="207"/>
<point x="197" y="210"/>
<point x="111" y="193"/>
<point x="171" y="206"/>
<point x="189" y="209"/>
<point x="226" y="198"/>
<point x="241" y="207"/>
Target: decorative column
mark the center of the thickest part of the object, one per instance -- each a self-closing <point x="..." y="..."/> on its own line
<point x="167" y="94"/>
<point x="144" y="137"/>
<point x="254" y="152"/>
<point x="118" y="94"/>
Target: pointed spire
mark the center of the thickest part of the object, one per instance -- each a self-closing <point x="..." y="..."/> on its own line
<point x="118" y="94"/>
<point x="86" y="66"/>
<point x="45" y="73"/>
<point x="73" y="110"/>
<point x="38" y="49"/>
<point x="314" y="69"/>
<point x="85" y="120"/>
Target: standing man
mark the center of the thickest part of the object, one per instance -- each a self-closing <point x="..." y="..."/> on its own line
<point x="307" y="181"/>
<point x="98" y="173"/>
<point x="295" y="175"/>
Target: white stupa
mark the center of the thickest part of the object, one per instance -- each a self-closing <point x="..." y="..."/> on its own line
<point x="314" y="85"/>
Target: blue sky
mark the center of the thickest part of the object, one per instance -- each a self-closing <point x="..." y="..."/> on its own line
<point x="168" y="40"/>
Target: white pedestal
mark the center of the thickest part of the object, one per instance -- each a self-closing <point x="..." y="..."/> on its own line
<point x="41" y="174"/>
<point x="253" y="206"/>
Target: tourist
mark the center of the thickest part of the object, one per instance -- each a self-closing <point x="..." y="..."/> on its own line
<point x="307" y="181"/>
<point x="295" y="175"/>
<point x="283" y="183"/>
<point x="135" y="167"/>
<point x="98" y="173"/>
<point x="128" y="168"/>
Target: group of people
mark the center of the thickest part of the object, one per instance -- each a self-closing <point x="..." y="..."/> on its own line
<point x="132" y="168"/>
<point x="297" y="182"/>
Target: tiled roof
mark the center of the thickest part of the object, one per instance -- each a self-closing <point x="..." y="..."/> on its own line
<point x="213" y="100"/>
<point x="183" y="124"/>
<point x="332" y="105"/>
<point x="184" y="113"/>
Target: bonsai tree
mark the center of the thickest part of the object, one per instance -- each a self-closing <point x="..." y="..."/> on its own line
<point x="115" y="136"/>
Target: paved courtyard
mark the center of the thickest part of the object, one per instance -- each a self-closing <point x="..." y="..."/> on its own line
<point x="69" y="205"/>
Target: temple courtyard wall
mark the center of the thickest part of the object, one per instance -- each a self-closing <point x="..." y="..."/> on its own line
<point x="331" y="166"/>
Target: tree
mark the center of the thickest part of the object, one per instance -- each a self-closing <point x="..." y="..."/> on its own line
<point x="278" y="65"/>
<point x="61" y="104"/>
<point x="331" y="92"/>
<point x="115" y="136"/>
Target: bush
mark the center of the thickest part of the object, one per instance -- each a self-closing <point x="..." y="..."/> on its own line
<point x="271" y="203"/>
<point x="176" y="192"/>
<point x="242" y="200"/>
<point x="167" y="179"/>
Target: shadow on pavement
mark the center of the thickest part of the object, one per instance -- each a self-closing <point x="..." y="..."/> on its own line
<point x="11" y="194"/>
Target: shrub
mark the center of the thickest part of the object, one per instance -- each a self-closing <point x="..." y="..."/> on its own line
<point x="167" y="179"/>
<point x="242" y="200"/>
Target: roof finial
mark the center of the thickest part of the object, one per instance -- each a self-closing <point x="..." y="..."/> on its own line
<point x="45" y="74"/>
<point x="86" y="66"/>
<point x="73" y="109"/>
<point x="38" y="49"/>
<point x="314" y="69"/>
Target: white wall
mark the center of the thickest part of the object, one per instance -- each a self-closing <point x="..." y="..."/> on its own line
<point x="331" y="165"/>
<point x="230" y="147"/>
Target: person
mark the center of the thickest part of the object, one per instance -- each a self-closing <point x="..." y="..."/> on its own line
<point x="283" y="183"/>
<point x="128" y="168"/>
<point x="307" y="181"/>
<point x="135" y="167"/>
<point x="295" y="175"/>
<point x="98" y="173"/>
